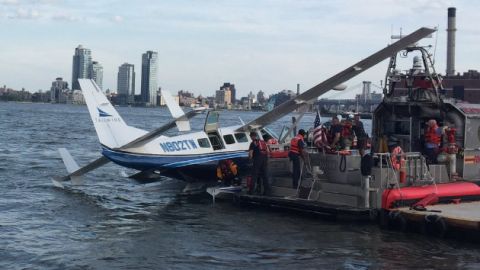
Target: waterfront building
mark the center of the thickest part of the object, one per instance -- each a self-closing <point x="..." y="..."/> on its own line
<point x="82" y="60"/>
<point x="59" y="91"/>
<point x="77" y="97"/>
<point x="163" y="103"/>
<point x="96" y="72"/>
<point x="261" y="99"/>
<point x="231" y="87"/>
<point x="462" y="86"/>
<point x="223" y="98"/>
<point x="149" y="78"/>
<point x="126" y="84"/>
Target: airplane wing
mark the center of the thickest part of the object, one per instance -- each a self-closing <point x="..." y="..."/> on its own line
<point x="321" y="88"/>
<point x="156" y="132"/>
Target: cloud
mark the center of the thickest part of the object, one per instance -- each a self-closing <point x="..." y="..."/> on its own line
<point x="65" y="17"/>
<point x="117" y="19"/>
<point x="25" y="14"/>
<point x="9" y="2"/>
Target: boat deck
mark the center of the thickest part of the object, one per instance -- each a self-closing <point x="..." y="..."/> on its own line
<point x="307" y="206"/>
<point x="462" y="215"/>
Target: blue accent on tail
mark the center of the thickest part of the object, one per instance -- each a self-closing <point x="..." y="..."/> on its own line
<point x="102" y="113"/>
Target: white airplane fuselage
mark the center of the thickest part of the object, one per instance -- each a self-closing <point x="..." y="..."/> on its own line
<point x="194" y="154"/>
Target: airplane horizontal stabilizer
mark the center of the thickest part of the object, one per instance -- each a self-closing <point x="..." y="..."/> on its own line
<point x="183" y="124"/>
<point x="75" y="172"/>
<point x="339" y="78"/>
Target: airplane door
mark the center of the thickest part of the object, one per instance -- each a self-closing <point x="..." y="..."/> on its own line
<point x="211" y="122"/>
<point x="211" y="128"/>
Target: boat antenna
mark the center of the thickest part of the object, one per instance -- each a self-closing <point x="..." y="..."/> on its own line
<point x="435" y="47"/>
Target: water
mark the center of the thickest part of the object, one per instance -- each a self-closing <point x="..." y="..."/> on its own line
<point x="112" y="222"/>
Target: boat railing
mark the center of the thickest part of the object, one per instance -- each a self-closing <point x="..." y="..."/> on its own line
<point x="411" y="171"/>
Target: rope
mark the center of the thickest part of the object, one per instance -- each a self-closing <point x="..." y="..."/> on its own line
<point x="343" y="163"/>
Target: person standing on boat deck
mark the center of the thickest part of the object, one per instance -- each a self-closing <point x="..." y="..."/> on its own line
<point x="360" y="133"/>
<point x="258" y="153"/>
<point x="297" y="152"/>
<point x="335" y="133"/>
<point x="433" y="137"/>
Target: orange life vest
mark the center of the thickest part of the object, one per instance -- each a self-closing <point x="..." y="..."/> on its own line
<point x="294" y="148"/>
<point x="346" y="130"/>
<point x="272" y="141"/>
<point x="451" y="135"/>
<point x="398" y="159"/>
<point x="262" y="146"/>
<point x="431" y="135"/>
<point x="226" y="169"/>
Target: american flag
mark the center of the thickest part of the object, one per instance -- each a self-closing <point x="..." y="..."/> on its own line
<point x="318" y="132"/>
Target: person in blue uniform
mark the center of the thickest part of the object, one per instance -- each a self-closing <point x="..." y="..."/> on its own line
<point x="258" y="153"/>
<point x="296" y="153"/>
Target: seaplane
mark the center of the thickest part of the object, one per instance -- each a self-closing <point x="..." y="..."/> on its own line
<point x="194" y="156"/>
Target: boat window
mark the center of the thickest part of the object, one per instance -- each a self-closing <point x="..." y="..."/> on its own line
<point x="204" y="143"/>
<point x="229" y="139"/>
<point x="241" y="137"/>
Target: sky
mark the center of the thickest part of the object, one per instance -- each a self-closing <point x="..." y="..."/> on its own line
<point x="255" y="44"/>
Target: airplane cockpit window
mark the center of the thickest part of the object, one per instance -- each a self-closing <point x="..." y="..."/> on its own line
<point x="228" y="139"/>
<point x="241" y="137"/>
<point x="204" y="143"/>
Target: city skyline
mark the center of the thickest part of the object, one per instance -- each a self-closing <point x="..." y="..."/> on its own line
<point x="257" y="45"/>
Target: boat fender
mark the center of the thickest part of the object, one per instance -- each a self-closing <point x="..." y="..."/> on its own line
<point x="366" y="165"/>
<point x="397" y="221"/>
<point x="435" y="225"/>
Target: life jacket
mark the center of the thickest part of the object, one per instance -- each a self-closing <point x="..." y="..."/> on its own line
<point x="398" y="159"/>
<point x="431" y="135"/>
<point x="451" y="135"/>
<point x="272" y="141"/>
<point x="452" y="147"/>
<point x="262" y="146"/>
<point x="294" y="148"/>
<point x="346" y="130"/>
<point x="227" y="169"/>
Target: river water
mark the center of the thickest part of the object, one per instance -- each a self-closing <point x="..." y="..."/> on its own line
<point x="112" y="222"/>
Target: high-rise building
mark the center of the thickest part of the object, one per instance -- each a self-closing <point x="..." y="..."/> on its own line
<point x="149" y="78"/>
<point x="126" y="83"/>
<point x="231" y="87"/>
<point x="96" y="71"/>
<point x="58" y="91"/>
<point x="82" y="60"/>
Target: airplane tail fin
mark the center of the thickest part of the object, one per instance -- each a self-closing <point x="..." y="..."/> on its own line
<point x="183" y="124"/>
<point x="112" y="131"/>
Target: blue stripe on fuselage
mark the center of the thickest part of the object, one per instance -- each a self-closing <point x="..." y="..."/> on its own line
<point x="145" y="162"/>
